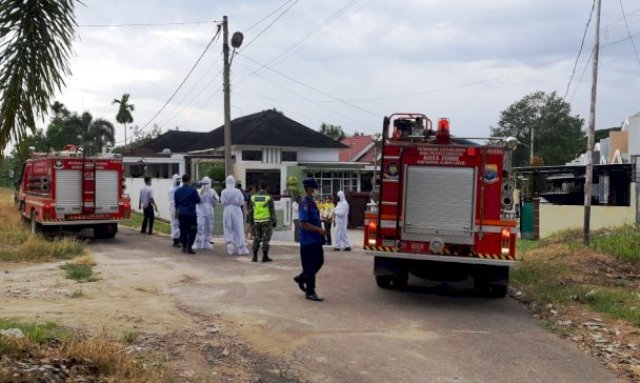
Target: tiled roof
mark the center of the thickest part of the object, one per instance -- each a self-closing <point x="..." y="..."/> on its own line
<point x="355" y="148"/>
<point x="266" y="128"/>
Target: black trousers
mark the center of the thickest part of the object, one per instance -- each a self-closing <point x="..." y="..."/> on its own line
<point x="327" y="228"/>
<point x="188" y="230"/>
<point x="312" y="258"/>
<point x="149" y="217"/>
<point x="296" y="230"/>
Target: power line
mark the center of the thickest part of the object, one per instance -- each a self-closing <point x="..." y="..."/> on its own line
<point x="269" y="25"/>
<point x="267" y="16"/>
<point x="125" y="25"/>
<point x="309" y="86"/>
<point x="584" y="36"/>
<point x="215" y="36"/>
<point x="635" y="49"/>
<point x="292" y="48"/>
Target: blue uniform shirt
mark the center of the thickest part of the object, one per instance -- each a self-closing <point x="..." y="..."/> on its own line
<point x="186" y="199"/>
<point x="308" y="212"/>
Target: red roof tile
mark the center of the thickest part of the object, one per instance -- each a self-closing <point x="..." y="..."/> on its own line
<point x="356" y="147"/>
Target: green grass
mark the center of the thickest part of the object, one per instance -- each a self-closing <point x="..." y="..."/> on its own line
<point x="623" y="242"/>
<point x="35" y="332"/>
<point x="158" y="225"/>
<point x="80" y="273"/>
<point x="129" y="336"/>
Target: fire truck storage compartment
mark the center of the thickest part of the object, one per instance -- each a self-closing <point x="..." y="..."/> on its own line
<point x="107" y="191"/>
<point x="68" y="191"/>
<point x="439" y="203"/>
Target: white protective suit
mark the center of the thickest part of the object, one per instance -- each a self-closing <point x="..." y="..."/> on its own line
<point x="232" y="201"/>
<point x="341" y="214"/>
<point x="204" y="210"/>
<point x="175" y="225"/>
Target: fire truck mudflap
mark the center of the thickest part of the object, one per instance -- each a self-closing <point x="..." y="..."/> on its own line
<point x="442" y="210"/>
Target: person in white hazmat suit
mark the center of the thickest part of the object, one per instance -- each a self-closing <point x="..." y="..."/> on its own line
<point x="208" y="200"/>
<point x="341" y="215"/>
<point x="173" y="217"/>
<point x="232" y="201"/>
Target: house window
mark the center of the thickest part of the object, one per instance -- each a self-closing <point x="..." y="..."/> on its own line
<point x="252" y="155"/>
<point x="332" y="182"/>
<point x="289" y="156"/>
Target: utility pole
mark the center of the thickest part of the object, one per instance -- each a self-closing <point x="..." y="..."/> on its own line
<point x="227" y="98"/>
<point x="588" y="179"/>
<point x="531" y="155"/>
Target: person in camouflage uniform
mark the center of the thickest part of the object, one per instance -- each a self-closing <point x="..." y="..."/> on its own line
<point x="264" y="220"/>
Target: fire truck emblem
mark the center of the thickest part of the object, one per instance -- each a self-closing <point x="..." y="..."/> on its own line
<point x="58" y="164"/>
<point x="391" y="171"/>
<point x="490" y="173"/>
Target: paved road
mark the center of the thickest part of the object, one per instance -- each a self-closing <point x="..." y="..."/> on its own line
<point x="362" y="333"/>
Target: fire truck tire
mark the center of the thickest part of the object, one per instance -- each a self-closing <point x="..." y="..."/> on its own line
<point x="390" y="282"/>
<point x="106" y="231"/>
<point x="497" y="291"/>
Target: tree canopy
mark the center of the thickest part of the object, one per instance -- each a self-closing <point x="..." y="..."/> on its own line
<point x="333" y="131"/>
<point x="36" y="38"/>
<point x="124" y="115"/>
<point x="558" y="136"/>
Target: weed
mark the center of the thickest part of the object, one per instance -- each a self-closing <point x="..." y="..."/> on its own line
<point x="556" y="328"/>
<point x="36" y="332"/>
<point x="130" y="336"/>
<point x="80" y="273"/>
<point x="623" y="242"/>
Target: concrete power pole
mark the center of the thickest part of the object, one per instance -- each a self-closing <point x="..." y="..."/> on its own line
<point x="588" y="180"/>
<point x="227" y="98"/>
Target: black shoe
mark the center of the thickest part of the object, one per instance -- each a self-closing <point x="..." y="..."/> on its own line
<point x="255" y="257"/>
<point x="298" y="279"/>
<point x="265" y="257"/>
<point x="184" y="249"/>
<point x="347" y="249"/>
<point x="314" y="297"/>
<point x="177" y="244"/>
<point x="336" y="249"/>
<point x="143" y="232"/>
<point x="190" y="251"/>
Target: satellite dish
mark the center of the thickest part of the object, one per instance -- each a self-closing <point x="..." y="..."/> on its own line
<point x="236" y="39"/>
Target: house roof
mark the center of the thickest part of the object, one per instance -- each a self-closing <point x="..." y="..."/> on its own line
<point x="266" y="128"/>
<point x="357" y="147"/>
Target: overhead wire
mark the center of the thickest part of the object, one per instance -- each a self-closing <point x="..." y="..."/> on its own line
<point x="195" y="65"/>
<point x="148" y="24"/>
<point x="267" y="16"/>
<point x="584" y="36"/>
<point x="247" y="45"/>
<point x="633" y="43"/>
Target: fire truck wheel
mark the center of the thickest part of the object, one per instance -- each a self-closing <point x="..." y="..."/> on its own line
<point x="497" y="291"/>
<point x="106" y="231"/>
<point x="389" y="282"/>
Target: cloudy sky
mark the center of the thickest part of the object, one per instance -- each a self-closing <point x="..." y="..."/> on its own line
<point x="350" y="62"/>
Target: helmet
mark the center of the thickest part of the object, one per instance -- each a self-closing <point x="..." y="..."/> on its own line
<point x="310" y="183"/>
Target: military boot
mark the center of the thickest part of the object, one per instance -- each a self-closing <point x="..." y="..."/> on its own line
<point x="255" y="256"/>
<point x="265" y="256"/>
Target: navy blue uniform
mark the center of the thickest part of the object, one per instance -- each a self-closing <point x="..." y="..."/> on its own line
<point x="186" y="199"/>
<point x="311" y="253"/>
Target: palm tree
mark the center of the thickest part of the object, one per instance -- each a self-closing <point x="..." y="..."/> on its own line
<point x="124" y="116"/>
<point x="96" y="133"/>
<point x="36" y="38"/>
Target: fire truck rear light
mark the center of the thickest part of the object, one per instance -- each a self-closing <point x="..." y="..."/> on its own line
<point x="372" y="229"/>
<point x="506" y="241"/>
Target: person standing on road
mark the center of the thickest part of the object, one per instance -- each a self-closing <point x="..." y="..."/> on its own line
<point x="148" y="206"/>
<point x="186" y="199"/>
<point x="173" y="219"/>
<point x="264" y="220"/>
<point x="248" y="228"/>
<point x="205" y="211"/>
<point x="326" y="216"/>
<point x="232" y="200"/>
<point x="341" y="214"/>
<point x="311" y="239"/>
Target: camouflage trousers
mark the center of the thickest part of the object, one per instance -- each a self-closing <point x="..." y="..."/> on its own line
<point x="263" y="230"/>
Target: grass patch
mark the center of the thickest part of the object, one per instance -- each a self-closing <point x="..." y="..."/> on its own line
<point x="623" y="242"/>
<point x="80" y="273"/>
<point x="104" y="359"/>
<point x="17" y="244"/>
<point x="158" y="225"/>
<point x="129" y="336"/>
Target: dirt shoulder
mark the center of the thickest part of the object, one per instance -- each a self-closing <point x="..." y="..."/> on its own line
<point x="590" y="297"/>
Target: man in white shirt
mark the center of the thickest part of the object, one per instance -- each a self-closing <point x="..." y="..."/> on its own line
<point x="147" y="205"/>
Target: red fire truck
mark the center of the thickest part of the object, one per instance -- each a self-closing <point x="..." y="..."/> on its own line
<point x="442" y="209"/>
<point x="66" y="190"/>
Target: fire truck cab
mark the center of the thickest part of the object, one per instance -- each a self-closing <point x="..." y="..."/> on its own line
<point x="442" y="211"/>
<point x="67" y="190"/>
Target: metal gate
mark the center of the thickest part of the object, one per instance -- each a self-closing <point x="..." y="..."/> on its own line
<point x="439" y="203"/>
